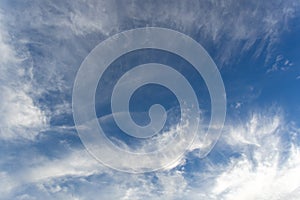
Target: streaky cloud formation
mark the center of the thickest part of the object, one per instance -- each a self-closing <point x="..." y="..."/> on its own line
<point x="42" y="45"/>
<point x="21" y="118"/>
<point x="259" y="172"/>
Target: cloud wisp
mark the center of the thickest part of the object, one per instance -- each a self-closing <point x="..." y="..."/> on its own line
<point x="42" y="44"/>
<point x="266" y="167"/>
<point x="21" y="118"/>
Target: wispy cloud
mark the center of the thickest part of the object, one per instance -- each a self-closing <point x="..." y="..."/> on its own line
<point x="233" y="27"/>
<point x="43" y="44"/>
<point x="20" y="117"/>
<point x="280" y="64"/>
<point x="260" y="172"/>
<point x="54" y="37"/>
<point x="267" y="167"/>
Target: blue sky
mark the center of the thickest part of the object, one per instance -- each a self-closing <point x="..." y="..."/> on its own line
<point x="255" y="46"/>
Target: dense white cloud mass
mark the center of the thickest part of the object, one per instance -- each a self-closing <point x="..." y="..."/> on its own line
<point x="42" y="44"/>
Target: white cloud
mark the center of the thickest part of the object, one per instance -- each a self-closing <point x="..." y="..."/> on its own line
<point x="49" y="176"/>
<point x="43" y="45"/>
<point x="267" y="168"/>
<point x="7" y="52"/>
<point x="260" y="172"/>
<point x="280" y="64"/>
<point x="6" y="183"/>
<point x="238" y="105"/>
<point x="76" y="163"/>
<point x="257" y="128"/>
<point x="57" y="36"/>
<point x="20" y="117"/>
<point x="60" y="39"/>
<point x="42" y="169"/>
<point x="230" y="25"/>
<point x="261" y="178"/>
